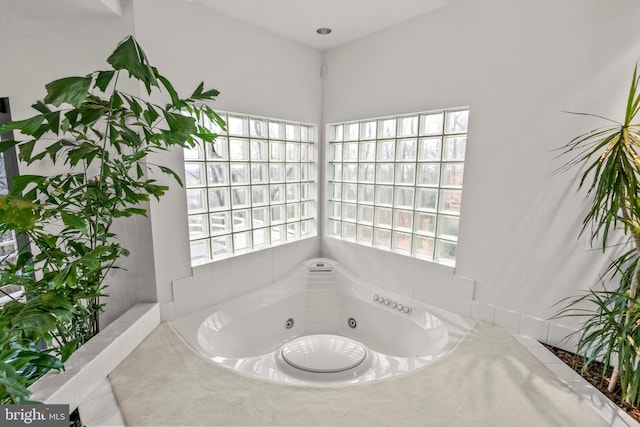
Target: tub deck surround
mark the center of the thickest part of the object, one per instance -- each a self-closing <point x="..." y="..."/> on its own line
<point x="321" y="297"/>
<point x="489" y="379"/>
<point x="89" y="366"/>
<point x="443" y="287"/>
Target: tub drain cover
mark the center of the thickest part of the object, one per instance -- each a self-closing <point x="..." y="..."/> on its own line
<point x="323" y="353"/>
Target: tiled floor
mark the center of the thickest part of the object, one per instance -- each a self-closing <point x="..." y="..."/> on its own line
<point x="100" y="408"/>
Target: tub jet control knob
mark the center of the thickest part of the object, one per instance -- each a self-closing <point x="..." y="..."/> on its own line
<point x="392" y="304"/>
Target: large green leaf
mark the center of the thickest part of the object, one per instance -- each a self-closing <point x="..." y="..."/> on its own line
<point x="70" y="90"/>
<point x="103" y="79"/>
<point x="41" y="359"/>
<point x="170" y="172"/>
<point x="129" y="56"/>
<point x="30" y="126"/>
<point x="199" y="93"/>
<point x="7" y="144"/>
<point x="20" y="182"/>
<point x="175" y="99"/>
<point x="17" y="214"/>
<point x="74" y="221"/>
<point x="180" y="123"/>
<point x="12" y="389"/>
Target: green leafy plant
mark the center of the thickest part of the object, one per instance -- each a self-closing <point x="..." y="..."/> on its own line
<point x="101" y="137"/>
<point x="609" y="162"/>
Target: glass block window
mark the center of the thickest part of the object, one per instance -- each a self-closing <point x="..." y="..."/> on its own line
<point x="395" y="183"/>
<point x="253" y="188"/>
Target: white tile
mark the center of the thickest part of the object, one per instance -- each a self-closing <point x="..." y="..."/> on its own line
<point x="526" y="341"/>
<point x="103" y="388"/>
<point x="114" y="329"/>
<point x="346" y="254"/>
<point x="598" y="401"/>
<point x="442" y="275"/>
<point x="203" y="270"/>
<point x="114" y="420"/>
<point x="510" y="320"/>
<point x="327" y="247"/>
<point x="483" y="311"/>
<point x="167" y="312"/>
<point x="87" y="370"/>
<point x="377" y="267"/>
<point x="67" y="393"/>
<point x="77" y="361"/>
<point x="543" y="355"/>
<point x="57" y="388"/>
<point x="182" y="288"/>
<point x="221" y="292"/>
<point x="128" y="341"/>
<point x="135" y="312"/>
<point x="105" y="338"/>
<point x="398" y="274"/>
<point x="364" y="258"/>
<point x="110" y="358"/>
<point x="442" y="297"/>
<point x="534" y="328"/>
<point x="461" y="306"/>
<point x="237" y="274"/>
<point x="219" y="270"/>
<point x="423" y="281"/>
<point x="306" y="249"/>
<point x="564" y="372"/>
<point x="463" y="287"/>
<point x="164" y="290"/>
<point x="406" y="273"/>
<point x="390" y="277"/>
<point x="184" y="306"/>
<point x="89" y="378"/>
<point x="423" y="292"/>
<point x="282" y="261"/>
<point x="204" y="293"/>
<point x="259" y="270"/>
<point x="100" y="407"/>
<point x="46" y="386"/>
<point x="562" y="337"/>
<point x="149" y="321"/>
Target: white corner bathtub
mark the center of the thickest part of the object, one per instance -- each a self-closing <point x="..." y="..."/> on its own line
<point x="320" y="325"/>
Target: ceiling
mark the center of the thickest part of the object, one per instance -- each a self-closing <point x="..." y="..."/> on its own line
<point x="348" y="19"/>
<point x="47" y="9"/>
<point x="297" y="20"/>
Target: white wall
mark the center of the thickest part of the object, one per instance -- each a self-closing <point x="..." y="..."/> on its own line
<point x="63" y="43"/>
<point x="257" y="73"/>
<point x="518" y="65"/>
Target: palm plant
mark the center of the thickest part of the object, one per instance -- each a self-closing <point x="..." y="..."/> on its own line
<point x="609" y="164"/>
<point x="103" y="137"/>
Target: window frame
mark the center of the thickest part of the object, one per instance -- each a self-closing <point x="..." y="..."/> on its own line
<point x="265" y="187"/>
<point x="373" y="195"/>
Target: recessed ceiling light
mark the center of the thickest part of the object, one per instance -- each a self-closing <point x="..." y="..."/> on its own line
<point x="323" y="31"/>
